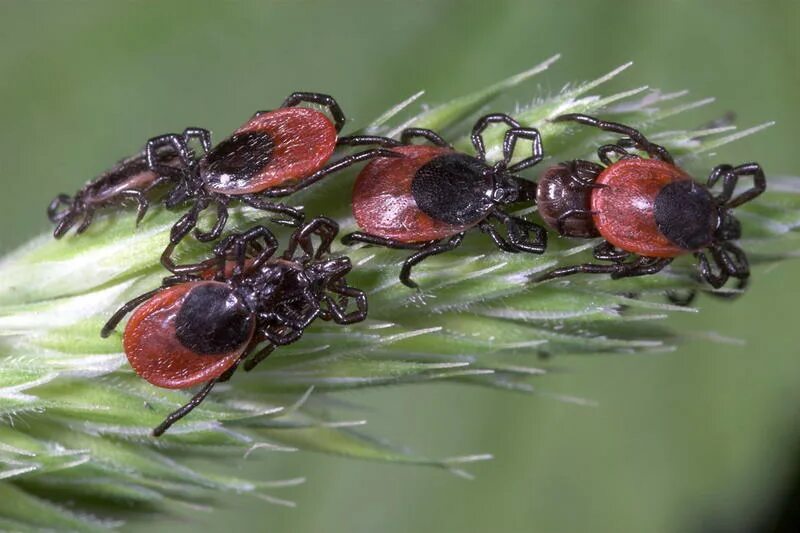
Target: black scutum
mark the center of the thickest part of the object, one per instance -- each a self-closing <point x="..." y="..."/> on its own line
<point x="453" y="188"/>
<point x="212" y="320"/>
<point x="686" y="214"/>
<point x="238" y="158"/>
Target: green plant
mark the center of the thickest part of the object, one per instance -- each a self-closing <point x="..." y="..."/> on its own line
<point x="77" y="419"/>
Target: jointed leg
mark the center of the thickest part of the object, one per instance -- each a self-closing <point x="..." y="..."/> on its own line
<point x="241" y="246"/>
<point x="519" y="234"/>
<point x="366" y="238"/>
<point x="605" y="251"/>
<point x="219" y="225"/>
<point x="262" y="354"/>
<point x="120" y="313"/>
<point x="482" y="124"/>
<point x="337" y="310"/>
<point x="641" y="266"/>
<point x="201" y="134"/>
<point x="142" y="204"/>
<point x="326" y="228"/>
<point x="342" y="163"/>
<point x="180" y="229"/>
<point x="296" y="215"/>
<point x="431" y="136"/>
<point x="324" y="100"/>
<point x="129" y="306"/>
<point x="510" y="143"/>
<point x="641" y="142"/>
<point x="54" y="211"/>
<point x="65" y="223"/>
<point x="730" y="177"/>
<point x="604" y="151"/>
<point x="196" y="400"/>
<point x="437" y="247"/>
<point x="367" y="140"/>
<point x="88" y="216"/>
<point x="178" y="143"/>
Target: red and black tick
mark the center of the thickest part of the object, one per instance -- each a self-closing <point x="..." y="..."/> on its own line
<point x="274" y="154"/>
<point x="236" y="307"/>
<point x="129" y="180"/>
<point x="647" y="210"/>
<point x="428" y="199"/>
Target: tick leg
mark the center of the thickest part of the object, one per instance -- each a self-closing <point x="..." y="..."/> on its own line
<point x="197" y="399"/>
<point x="715" y="279"/>
<point x="639" y="140"/>
<point x="263" y="204"/>
<point x="510" y="143"/>
<point x="236" y="247"/>
<point x="730" y="177"/>
<point x="605" y="251"/>
<point x="519" y="234"/>
<point x="586" y="268"/>
<point x="66" y="223"/>
<point x="366" y="238"/>
<point x="484" y="122"/>
<point x="88" y="216"/>
<point x="367" y="140"/>
<point x="283" y="338"/>
<point x="330" y="168"/>
<point x="498" y="240"/>
<point x="178" y="143"/>
<point x="408" y="134"/>
<point x="124" y="310"/>
<point x="338" y="310"/>
<point x="733" y="259"/>
<point x="201" y="134"/>
<point x="142" y="204"/>
<point x="54" y="211"/>
<point x="326" y="228"/>
<point x="262" y="354"/>
<point x="436" y="248"/>
<point x="324" y="100"/>
<point x="179" y="230"/>
<point x="219" y="226"/>
<point x="607" y="149"/>
<point x="642" y="266"/>
<point x="176" y="415"/>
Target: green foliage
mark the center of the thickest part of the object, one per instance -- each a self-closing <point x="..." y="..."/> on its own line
<point x="77" y="419"/>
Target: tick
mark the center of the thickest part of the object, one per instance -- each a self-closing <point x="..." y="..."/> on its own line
<point x="648" y="210"/>
<point x="428" y="199"/>
<point x="129" y="180"/>
<point x="236" y="308"/>
<point x="274" y="154"/>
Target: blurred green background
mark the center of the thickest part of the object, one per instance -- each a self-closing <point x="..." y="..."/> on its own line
<point x="702" y="439"/>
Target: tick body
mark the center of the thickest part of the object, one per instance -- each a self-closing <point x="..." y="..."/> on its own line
<point x="647" y="210"/>
<point x="431" y="193"/>
<point x="274" y="154"/>
<point x="236" y="308"/>
<point x="430" y="197"/>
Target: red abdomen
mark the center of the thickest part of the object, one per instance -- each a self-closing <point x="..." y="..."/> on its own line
<point x="384" y="205"/>
<point x="155" y="352"/>
<point x="293" y="142"/>
<point x="624" y="208"/>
